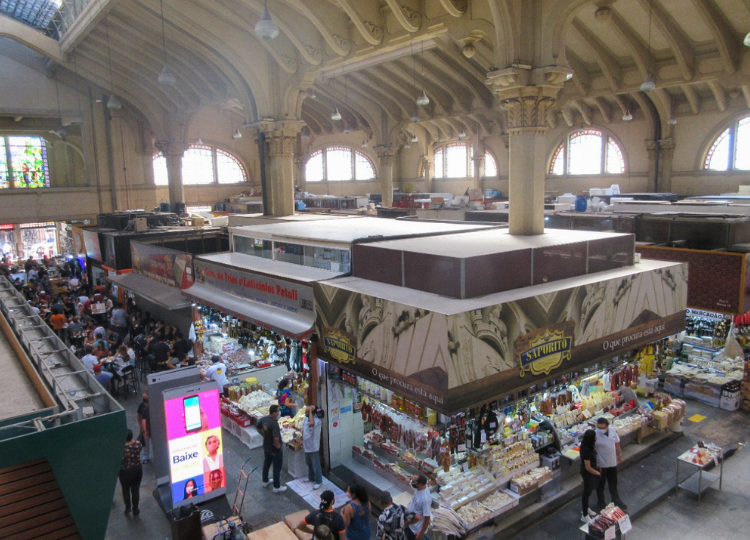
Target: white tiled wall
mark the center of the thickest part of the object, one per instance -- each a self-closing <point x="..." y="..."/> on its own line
<point x="350" y="428"/>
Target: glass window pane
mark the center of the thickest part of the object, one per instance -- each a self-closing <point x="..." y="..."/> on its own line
<point x="490" y="165"/>
<point x="615" y="161"/>
<point x="314" y="168"/>
<point x="557" y="165"/>
<point x="328" y="258"/>
<point x="160" y="171"/>
<point x="585" y="152"/>
<point x="471" y="161"/>
<point x="229" y="169"/>
<point x="742" y="145"/>
<point x="339" y="164"/>
<point x="718" y="156"/>
<point x="4" y="173"/>
<point x="250" y="246"/>
<point x="28" y="159"/>
<point x="455" y="159"/>
<point x="363" y="168"/>
<point x="439" y="171"/>
<point x="198" y="166"/>
<point x="291" y="253"/>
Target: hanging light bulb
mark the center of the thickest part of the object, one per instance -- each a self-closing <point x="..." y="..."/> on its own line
<point x="347" y="130"/>
<point x="746" y="41"/>
<point x="199" y="141"/>
<point x="415" y="116"/>
<point x="113" y="103"/>
<point x="364" y="143"/>
<point x="569" y="77"/>
<point x="312" y="94"/>
<point x="423" y="100"/>
<point x="407" y="145"/>
<point x="305" y="134"/>
<point x="237" y="134"/>
<point x="672" y="121"/>
<point x="414" y="139"/>
<point x="648" y="84"/>
<point x="166" y="77"/>
<point x="265" y="27"/>
<point x="627" y="117"/>
<point x="336" y="115"/>
<point x="462" y="134"/>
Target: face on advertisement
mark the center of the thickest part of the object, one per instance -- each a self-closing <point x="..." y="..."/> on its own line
<point x="212" y="445"/>
<point x="216" y="479"/>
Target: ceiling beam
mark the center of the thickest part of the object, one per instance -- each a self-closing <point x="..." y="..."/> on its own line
<point x="83" y="23"/>
<point x="584" y="109"/>
<point x="451" y="9"/>
<point x="720" y="95"/>
<point x="408" y="19"/>
<point x="692" y="98"/>
<point x="637" y="49"/>
<point x="607" y="63"/>
<point x="724" y="36"/>
<point x="604" y="108"/>
<point x="682" y="49"/>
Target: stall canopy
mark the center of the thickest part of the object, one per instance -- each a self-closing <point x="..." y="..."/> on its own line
<point x="161" y="294"/>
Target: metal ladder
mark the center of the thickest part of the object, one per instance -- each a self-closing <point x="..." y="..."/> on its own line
<point x="242" y="488"/>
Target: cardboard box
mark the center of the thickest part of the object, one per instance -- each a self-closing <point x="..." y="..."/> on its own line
<point x="210" y="531"/>
<point x="729" y="403"/>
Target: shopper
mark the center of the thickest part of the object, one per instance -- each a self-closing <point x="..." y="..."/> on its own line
<point x="391" y="523"/>
<point x="421" y="507"/>
<point x="589" y="471"/>
<point x="284" y="395"/>
<point x="610" y="455"/>
<point x="217" y="372"/>
<point x="131" y="474"/>
<point x="311" y="428"/>
<point x="324" y="523"/>
<point x="356" y="514"/>
<point x="269" y="428"/>
<point x="144" y="424"/>
<point x="119" y="320"/>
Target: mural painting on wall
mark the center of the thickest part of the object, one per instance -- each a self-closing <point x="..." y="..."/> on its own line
<point x="451" y="362"/>
<point x="164" y="265"/>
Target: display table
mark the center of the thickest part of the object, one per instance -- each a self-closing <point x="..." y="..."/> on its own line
<point x="698" y="483"/>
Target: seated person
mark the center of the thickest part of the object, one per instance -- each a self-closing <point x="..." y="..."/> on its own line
<point x="89" y="360"/>
<point x="122" y="359"/>
<point x="101" y="349"/>
<point x="103" y="377"/>
<point x="160" y="351"/>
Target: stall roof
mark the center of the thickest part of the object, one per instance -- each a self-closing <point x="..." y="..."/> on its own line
<point x="280" y="269"/>
<point x="293" y="325"/>
<point x="237" y="220"/>
<point x="19" y="395"/>
<point x="452" y="306"/>
<point x="162" y="294"/>
<point x="348" y="231"/>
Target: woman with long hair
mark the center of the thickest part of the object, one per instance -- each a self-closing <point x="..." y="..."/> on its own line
<point x="356" y="513"/>
<point x="589" y="470"/>
<point x="284" y="395"/>
<point x="131" y="474"/>
<point x="191" y="489"/>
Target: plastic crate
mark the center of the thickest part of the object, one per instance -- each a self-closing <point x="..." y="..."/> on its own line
<point x="250" y="437"/>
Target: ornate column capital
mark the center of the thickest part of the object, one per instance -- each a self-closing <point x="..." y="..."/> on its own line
<point x="386" y="154"/>
<point x="281" y="136"/>
<point x="171" y="148"/>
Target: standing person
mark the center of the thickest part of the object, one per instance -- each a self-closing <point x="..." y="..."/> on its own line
<point x="269" y="428"/>
<point x="119" y="320"/>
<point x="325" y="523"/>
<point x="610" y="455"/>
<point x="589" y="470"/>
<point x="217" y="372"/>
<point x="284" y="395"/>
<point x="131" y="474"/>
<point x="311" y="427"/>
<point x="356" y="514"/>
<point x="391" y="523"/>
<point x="144" y="423"/>
<point x="421" y="506"/>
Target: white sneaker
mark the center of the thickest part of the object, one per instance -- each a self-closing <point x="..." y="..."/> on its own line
<point x="280" y="489"/>
<point x="266" y="484"/>
<point x="317" y="486"/>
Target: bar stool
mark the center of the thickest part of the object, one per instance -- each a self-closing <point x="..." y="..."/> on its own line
<point x="128" y="380"/>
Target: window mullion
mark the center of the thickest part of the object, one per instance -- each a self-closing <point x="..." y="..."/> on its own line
<point x="11" y="183"/>
<point x="215" y="162"/>
<point x="354" y="165"/>
<point x="732" y="147"/>
<point x="603" y="160"/>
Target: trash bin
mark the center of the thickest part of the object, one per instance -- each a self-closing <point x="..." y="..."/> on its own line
<point x="186" y="526"/>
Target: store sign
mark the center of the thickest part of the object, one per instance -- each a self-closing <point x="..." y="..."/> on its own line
<point x="543" y="350"/>
<point x="339" y="346"/>
<point x="196" y="451"/>
<point x="274" y="292"/>
<point x="164" y="265"/>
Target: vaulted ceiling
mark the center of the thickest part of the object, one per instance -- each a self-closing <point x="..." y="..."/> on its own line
<point x="371" y="59"/>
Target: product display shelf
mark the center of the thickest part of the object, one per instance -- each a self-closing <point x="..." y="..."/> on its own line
<point x="505" y="480"/>
<point x="374" y="448"/>
<point x="437" y="427"/>
<point x="403" y="486"/>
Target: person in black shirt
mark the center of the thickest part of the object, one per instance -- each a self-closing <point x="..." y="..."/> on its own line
<point x="181" y="346"/>
<point x="324" y="522"/>
<point x="269" y="428"/>
<point x="589" y="470"/>
<point x="144" y="424"/>
<point x="160" y="351"/>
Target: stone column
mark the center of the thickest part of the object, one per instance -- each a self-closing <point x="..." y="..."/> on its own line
<point x="429" y="172"/>
<point x="478" y="161"/>
<point x="281" y="170"/>
<point x="386" y="155"/>
<point x="666" y="155"/>
<point x="527" y="96"/>
<point x="652" y="150"/>
<point x="173" y="152"/>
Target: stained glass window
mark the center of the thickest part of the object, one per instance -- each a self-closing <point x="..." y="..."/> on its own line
<point x="718" y="156"/>
<point x="490" y="165"/>
<point x="587" y="151"/>
<point x="731" y="149"/>
<point x="742" y="145"/>
<point x="339" y="164"/>
<point x="198" y="167"/>
<point x="28" y="161"/>
<point x="4" y="175"/>
<point x="456" y="161"/>
<point x="439" y="169"/>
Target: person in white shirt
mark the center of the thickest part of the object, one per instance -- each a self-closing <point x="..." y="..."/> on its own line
<point x="421" y="509"/>
<point x="217" y="372"/>
<point x="89" y="360"/>
<point x="311" y="428"/>
<point x="609" y="455"/>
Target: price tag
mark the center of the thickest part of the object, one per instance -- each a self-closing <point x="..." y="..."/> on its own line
<point x="624" y="523"/>
<point x="484" y="437"/>
<point x="493" y="425"/>
<point x="462" y="448"/>
<point x="609" y="534"/>
<point x="465" y="468"/>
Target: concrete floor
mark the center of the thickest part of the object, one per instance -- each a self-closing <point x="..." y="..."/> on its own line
<point x="647" y="487"/>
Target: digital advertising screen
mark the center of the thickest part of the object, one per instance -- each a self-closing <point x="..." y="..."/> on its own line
<point x="196" y="449"/>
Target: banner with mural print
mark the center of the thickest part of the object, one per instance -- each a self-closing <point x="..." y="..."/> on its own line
<point x="451" y="362"/>
<point x="174" y="268"/>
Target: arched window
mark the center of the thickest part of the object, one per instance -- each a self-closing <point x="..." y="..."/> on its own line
<point x="731" y="149"/>
<point x="455" y="160"/>
<point x="338" y="164"/>
<point x="23" y="162"/>
<point x="202" y="165"/>
<point x="587" y="151"/>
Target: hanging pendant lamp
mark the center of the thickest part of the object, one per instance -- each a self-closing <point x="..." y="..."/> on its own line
<point x="265" y="27"/>
<point x="336" y="115"/>
<point x="627" y="117"/>
<point x="423" y="100"/>
<point x="415" y="116"/>
<point x="166" y="77"/>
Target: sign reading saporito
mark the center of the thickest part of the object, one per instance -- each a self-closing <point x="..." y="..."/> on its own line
<point x="543" y="350"/>
<point x="339" y="345"/>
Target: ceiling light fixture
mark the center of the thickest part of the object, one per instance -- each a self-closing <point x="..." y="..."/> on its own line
<point x="415" y="116"/>
<point x="237" y="134"/>
<point x="347" y="130"/>
<point x="364" y="143"/>
<point x="569" y="76"/>
<point x="336" y="115"/>
<point x="304" y="135"/>
<point x="672" y="121"/>
<point x="627" y="117"/>
<point x="312" y="94"/>
<point x="112" y="103"/>
<point x="199" y="141"/>
<point x="407" y="145"/>
<point x="166" y="77"/>
<point x="462" y="134"/>
<point x="746" y="41"/>
<point x="414" y="139"/>
<point x="265" y="27"/>
<point x="648" y="84"/>
<point x="423" y="100"/>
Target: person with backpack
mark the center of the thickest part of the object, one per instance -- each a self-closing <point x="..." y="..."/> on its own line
<point x="391" y="522"/>
<point x="324" y="523"/>
<point x="356" y="514"/>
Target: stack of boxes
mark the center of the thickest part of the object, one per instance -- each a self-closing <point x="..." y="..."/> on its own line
<point x="730" y="394"/>
<point x="745" y="388"/>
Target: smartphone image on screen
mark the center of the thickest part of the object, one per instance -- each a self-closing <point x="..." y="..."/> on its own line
<point x="192" y="413"/>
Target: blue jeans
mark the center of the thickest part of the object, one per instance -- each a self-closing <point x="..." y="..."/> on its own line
<point x="314" y="470"/>
<point x="276" y="459"/>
